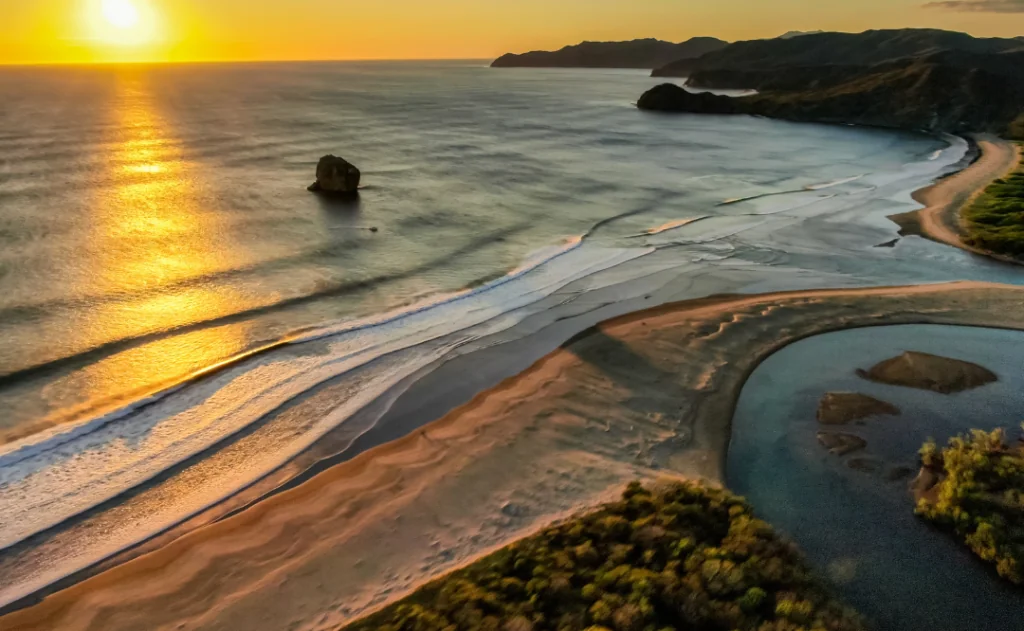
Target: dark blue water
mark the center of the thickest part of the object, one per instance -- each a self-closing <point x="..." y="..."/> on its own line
<point x="859" y="528"/>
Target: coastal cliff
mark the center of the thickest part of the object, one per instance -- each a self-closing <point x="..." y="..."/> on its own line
<point x="865" y="49"/>
<point x="640" y="53"/>
<point x="954" y="90"/>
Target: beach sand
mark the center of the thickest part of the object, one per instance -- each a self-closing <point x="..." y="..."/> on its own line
<point x="940" y="220"/>
<point x="642" y="396"/>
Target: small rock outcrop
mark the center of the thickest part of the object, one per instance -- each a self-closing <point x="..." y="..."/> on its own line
<point x="865" y="465"/>
<point x="930" y="372"/>
<point x="669" y="97"/>
<point x="843" y="408"/>
<point x="841" y="444"/>
<point x="336" y="176"/>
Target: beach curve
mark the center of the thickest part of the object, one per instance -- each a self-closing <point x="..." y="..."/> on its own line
<point x="941" y="220"/>
<point x="639" y="396"/>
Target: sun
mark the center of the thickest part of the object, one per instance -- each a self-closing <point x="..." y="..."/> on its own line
<point x="123" y="30"/>
<point x="120" y="13"/>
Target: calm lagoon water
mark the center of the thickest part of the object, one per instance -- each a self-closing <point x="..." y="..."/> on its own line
<point x="859" y="528"/>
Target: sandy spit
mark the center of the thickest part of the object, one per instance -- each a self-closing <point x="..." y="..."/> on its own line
<point x="940" y="220"/>
<point x="646" y="395"/>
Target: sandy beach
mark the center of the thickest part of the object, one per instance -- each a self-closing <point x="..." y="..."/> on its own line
<point x="642" y="396"/>
<point x="940" y="220"/>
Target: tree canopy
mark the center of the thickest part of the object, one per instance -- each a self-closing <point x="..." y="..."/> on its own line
<point x="980" y="497"/>
<point x="674" y="556"/>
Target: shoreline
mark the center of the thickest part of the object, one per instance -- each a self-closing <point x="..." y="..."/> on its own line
<point x="236" y="508"/>
<point x="281" y="478"/>
<point x="941" y="219"/>
<point x="571" y="419"/>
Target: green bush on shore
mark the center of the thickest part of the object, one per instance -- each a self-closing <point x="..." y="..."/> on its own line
<point x="676" y="556"/>
<point x="995" y="221"/>
<point x="980" y="497"/>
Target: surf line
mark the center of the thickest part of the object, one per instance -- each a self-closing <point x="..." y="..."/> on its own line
<point x="809" y="187"/>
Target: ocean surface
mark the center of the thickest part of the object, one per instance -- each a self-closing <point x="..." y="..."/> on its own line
<point x="859" y="527"/>
<point x="180" y="317"/>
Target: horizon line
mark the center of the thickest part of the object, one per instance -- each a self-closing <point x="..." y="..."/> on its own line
<point x="186" y="62"/>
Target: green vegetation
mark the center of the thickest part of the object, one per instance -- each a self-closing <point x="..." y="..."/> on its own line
<point x="1016" y="129"/>
<point x="679" y="556"/>
<point x="979" y="495"/>
<point x="996" y="220"/>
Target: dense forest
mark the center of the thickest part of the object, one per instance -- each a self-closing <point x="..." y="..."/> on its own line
<point x="674" y="556"/>
<point x="978" y="494"/>
<point x="996" y="220"/>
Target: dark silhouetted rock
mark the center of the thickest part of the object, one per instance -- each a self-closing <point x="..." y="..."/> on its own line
<point x="842" y="408"/>
<point x="336" y="175"/>
<point x="640" y="53"/>
<point x="841" y="444"/>
<point x="669" y="97"/>
<point x="865" y="465"/>
<point x="899" y="473"/>
<point x="930" y="372"/>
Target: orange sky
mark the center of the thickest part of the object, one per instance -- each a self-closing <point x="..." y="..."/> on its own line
<point x="60" y="31"/>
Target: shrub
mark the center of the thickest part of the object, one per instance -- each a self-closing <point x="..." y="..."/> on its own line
<point x="979" y="497"/>
<point x="679" y="557"/>
<point x="995" y="221"/>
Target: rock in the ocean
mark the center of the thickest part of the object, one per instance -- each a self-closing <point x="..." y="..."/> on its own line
<point x="669" y="97"/>
<point x="930" y="372"/>
<point x="842" y="408"/>
<point x="899" y="473"/>
<point x="841" y="444"/>
<point x="865" y="465"/>
<point x="336" y="175"/>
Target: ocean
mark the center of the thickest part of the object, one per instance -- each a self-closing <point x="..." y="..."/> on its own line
<point x="179" y="317"/>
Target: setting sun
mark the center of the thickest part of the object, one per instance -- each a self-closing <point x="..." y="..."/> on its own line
<point x="124" y="30"/>
<point x="120" y="13"/>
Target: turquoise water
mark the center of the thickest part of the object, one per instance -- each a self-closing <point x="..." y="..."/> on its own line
<point x="858" y="528"/>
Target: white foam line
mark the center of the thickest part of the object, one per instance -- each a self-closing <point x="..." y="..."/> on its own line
<point x="824" y="185"/>
<point x="296" y="381"/>
<point x="672" y="225"/>
<point x="19" y="450"/>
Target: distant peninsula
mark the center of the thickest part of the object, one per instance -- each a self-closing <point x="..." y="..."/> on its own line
<point x="640" y="53"/>
<point x="923" y="79"/>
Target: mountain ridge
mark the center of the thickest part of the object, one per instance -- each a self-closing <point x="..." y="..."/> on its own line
<point x="936" y="81"/>
<point x="638" y="53"/>
<point x="825" y="49"/>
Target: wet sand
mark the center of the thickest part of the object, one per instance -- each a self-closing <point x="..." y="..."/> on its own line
<point x="940" y="220"/>
<point x="642" y="396"/>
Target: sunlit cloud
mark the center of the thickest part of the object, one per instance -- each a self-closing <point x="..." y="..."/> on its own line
<point x="980" y="6"/>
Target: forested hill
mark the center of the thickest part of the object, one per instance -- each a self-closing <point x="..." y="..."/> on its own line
<point x="640" y="53"/>
<point x="912" y="79"/>
<point x="831" y="49"/>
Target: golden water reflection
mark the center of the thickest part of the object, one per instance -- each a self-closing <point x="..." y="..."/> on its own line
<point x="154" y="243"/>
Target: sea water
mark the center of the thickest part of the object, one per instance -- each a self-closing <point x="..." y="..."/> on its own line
<point x="169" y="290"/>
